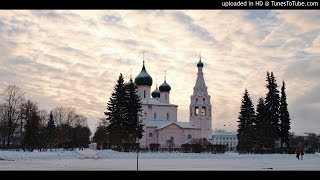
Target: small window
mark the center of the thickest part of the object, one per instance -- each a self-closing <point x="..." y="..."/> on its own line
<point x="167" y="116"/>
<point x="166" y="96"/>
<point x="196" y="111"/>
<point x="196" y="99"/>
<point x="144" y="94"/>
<point x="189" y="136"/>
<point x="203" y="111"/>
<point x="155" y="115"/>
<point x="204" y="99"/>
<point x="145" y="113"/>
<point x="150" y="134"/>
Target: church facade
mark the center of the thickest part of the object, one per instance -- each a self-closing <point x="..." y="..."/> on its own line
<point x="159" y="116"/>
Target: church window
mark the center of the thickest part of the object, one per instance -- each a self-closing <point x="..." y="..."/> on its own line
<point x="167" y="116"/>
<point x="189" y="136"/>
<point x="150" y="134"/>
<point x="155" y="115"/>
<point x="196" y="111"/>
<point x="166" y="96"/>
<point x="203" y="111"/>
<point x="204" y="99"/>
<point x="196" y="99"/>
<point x="144" y="94"/>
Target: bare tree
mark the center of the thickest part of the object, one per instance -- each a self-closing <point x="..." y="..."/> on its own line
<point x="12" y="99"/>
<point x="68" y="116"/>
<point x="69" y="124"/>
<point x="44" y="115"/>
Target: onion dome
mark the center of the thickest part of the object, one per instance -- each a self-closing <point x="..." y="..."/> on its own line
<point x="156" y="93"/>
<point x="143" y="78"/>
<point x="129" y="82"/>
<point x="165" y="87"/>
<point x="200" y="64"/>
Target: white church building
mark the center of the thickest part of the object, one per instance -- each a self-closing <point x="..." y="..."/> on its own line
<point x="159" y="116"/>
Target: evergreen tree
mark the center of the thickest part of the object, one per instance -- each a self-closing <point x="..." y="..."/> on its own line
<point x="246" y="125"/>
<point x="116" y="113"/>
<point x="50" y="132"/>
<point x="133" y="109"/>
<point x="32" y="127"/>
<point x="284" y="117"/>
<point x="272" y="115"/>
<point x="260" y="130"/>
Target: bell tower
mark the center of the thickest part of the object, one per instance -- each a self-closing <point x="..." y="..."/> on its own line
<point x="200" y="107"/>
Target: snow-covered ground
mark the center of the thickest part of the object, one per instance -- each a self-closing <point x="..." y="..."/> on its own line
<point x="111" y="160"/>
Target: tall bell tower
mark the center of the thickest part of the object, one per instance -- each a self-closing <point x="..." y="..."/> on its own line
<point x="200" y="106"/>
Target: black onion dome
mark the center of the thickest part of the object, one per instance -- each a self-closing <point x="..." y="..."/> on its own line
<point x="200" y="64"/>
<point x="165" y="87"/>
<point x="155" y="93"/>
<point x="130" y="82"/>
<point x="143" y="78"/>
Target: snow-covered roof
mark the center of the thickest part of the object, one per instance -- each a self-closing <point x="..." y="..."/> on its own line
<point x="159" y="124"/>
<point x="225" y="133"/>
<point x="156" y="123"/>
<point x="155" y="102"/>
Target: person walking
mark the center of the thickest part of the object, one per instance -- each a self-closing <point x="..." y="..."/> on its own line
<point x="301" y="153"/>
<point x="298" y="153"/>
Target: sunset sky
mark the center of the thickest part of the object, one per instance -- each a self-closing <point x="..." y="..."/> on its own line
<point x="73" y="58"/>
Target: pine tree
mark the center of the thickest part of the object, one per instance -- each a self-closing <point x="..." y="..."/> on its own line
<point x="133" y="109"/>
<point x="50" y="131"/>
<point x="116" y="113"/>
<point x="284" y="117"/>
<point x="32" y="127"/>
<point x="272" y="103"/>
<point x="246" y="124"/>
<point x="260" y="129"/>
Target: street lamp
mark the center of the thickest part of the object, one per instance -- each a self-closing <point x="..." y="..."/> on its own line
<point x="138" y="122"/>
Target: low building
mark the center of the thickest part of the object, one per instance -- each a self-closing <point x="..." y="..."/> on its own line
<point x="226" y="138"/>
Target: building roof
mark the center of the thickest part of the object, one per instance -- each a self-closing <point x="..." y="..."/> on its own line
<point x="155" y="102"/>
<point x="225" y="133"/>
<point x="159" y="124"/>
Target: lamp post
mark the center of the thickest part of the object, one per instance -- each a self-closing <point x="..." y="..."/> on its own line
<point x="138" y="121"/>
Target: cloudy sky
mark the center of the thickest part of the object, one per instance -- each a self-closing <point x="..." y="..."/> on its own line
<point x="73" y="58"/>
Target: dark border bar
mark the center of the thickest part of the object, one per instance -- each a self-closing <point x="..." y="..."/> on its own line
<point x="160" y="4"/>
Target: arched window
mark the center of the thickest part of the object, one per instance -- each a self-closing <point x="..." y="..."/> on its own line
<point x="203" y="111"/>
<point x="196" y="112"/>
<point x="144" y="94"/>
<point x="189" y="136"/>
<point x="167" y="116"/>
<point x="196" y="99"/>
<point x="204" y="99"/>
<point x="155" y="115"/>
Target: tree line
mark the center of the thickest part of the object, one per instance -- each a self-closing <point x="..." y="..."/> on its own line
<point x="24" y="126"/>
<point x="260" y="129"/>
<point x="121" y="128"/>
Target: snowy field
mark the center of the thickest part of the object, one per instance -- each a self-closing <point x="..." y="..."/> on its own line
<point x="94" y="160"/>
